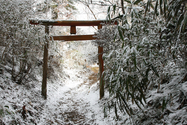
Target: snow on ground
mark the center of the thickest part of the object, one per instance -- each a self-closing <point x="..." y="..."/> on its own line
<point x="71" y="100"/>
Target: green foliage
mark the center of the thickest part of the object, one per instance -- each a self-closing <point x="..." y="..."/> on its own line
<point x="5" y="111"/>
<point x="1" y="112"/>
<point x="137" y="1"/>
<point x="171" y="9"/>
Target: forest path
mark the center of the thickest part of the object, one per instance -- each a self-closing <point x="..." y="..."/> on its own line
<point x="75" y="101"/>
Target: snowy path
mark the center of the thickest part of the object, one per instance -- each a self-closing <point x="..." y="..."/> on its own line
<point x="70" y="103"/>
<point x="76" y="100"/>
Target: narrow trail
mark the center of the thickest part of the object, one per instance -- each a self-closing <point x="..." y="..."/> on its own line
<point x="71" y="100"/>
<point x="75" y="101"/>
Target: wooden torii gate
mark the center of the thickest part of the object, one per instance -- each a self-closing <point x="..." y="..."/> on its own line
<point x="72" y="25"/>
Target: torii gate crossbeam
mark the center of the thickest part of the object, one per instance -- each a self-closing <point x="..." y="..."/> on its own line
<point x="72" y="24"/>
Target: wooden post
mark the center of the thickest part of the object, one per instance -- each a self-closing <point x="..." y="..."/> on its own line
<point x="73" y="29"/>
<point x="101" y="68"/>
<point x="45" y="65"/>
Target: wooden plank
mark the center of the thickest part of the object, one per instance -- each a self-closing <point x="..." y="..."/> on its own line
<point x="70" y="22"/>
<point x="45" y="65"/>
<point x="74" y="37"/>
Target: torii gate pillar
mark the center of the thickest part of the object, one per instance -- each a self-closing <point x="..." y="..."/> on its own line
<point x="101" y="68"/>
<point x="45" y="64"/>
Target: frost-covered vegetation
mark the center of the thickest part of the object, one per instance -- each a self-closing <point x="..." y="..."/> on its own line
<point x="20" y="43"/>
<point x="145" y="58"/>
<point x="145" y="61"/>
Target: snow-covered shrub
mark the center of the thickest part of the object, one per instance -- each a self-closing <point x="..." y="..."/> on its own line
<point x="144" y="51"/>
<point x="22" y="42"/>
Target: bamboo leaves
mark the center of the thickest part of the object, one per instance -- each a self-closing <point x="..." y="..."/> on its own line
<point x="165" y="8"/>
<point x="181" y="18"/>
<point x="184" y="22"/>
<point x="108" y="13"/>
<point x="120" y="33"/>
<point x="128" y="1"/>
<point x="154" y="69"/>
<point x="156" y="8"/>
<point x="172" y="9"/>
<point x="143" y="46"/>
<point x="137" y="2"/>
<point x="161" y="10"/>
